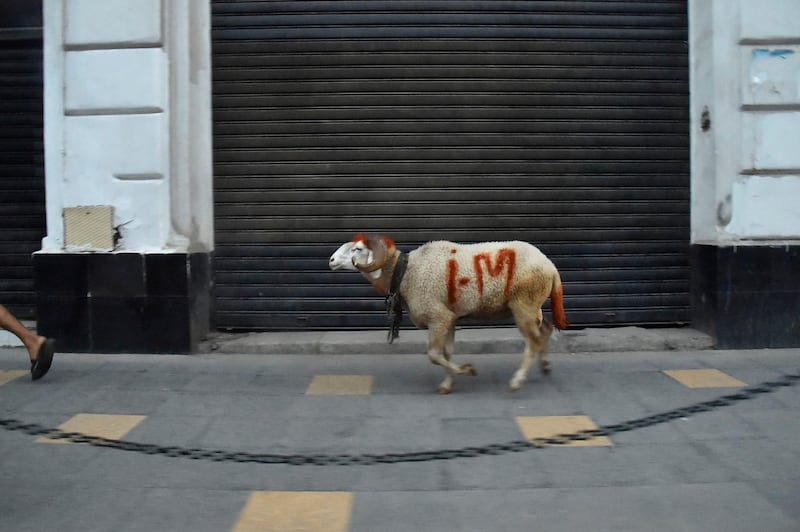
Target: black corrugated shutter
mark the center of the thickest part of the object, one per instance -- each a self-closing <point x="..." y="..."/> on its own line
<point x="564" y="123"/>
<point x="22" y="202"/>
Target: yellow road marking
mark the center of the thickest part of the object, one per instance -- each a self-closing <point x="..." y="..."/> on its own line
<point x="704" y="378"/>
<point x="340" y="385"/>
<point x="296" y="511"/>
<point x="9" y="375"/>
<point x="546" y="426"/>
<point x="103" y="425"/>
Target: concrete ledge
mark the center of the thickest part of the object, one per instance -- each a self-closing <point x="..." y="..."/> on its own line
<point x="9" y="340"/>
<point x="468" y="341"/>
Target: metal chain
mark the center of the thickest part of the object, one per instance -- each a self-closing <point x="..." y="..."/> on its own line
<point x="516" y="446"/>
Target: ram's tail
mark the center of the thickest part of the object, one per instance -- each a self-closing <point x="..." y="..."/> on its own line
<point x="557" y="304"/>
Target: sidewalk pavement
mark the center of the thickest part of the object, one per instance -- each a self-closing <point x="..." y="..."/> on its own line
<point x="734" y="468"/>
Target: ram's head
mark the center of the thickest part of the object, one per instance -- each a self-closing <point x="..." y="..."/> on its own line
<point x="365" y="253"/>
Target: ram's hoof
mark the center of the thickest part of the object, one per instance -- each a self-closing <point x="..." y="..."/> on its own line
<point x="469" y="369"/>
<point x="514" y="386"/>
<point x="444" y="390"/>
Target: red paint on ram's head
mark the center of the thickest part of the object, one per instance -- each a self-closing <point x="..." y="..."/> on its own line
<point x="388" y="241"/>
<point x="361" y="237"/>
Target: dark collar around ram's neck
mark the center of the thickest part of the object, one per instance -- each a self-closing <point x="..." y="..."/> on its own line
<point x="394" y="301"/>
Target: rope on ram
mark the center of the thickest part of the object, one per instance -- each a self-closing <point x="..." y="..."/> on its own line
<point x="394" y="301"/>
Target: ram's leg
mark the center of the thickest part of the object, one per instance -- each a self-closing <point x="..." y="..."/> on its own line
<point x="440" y="348"/>
<point x="529" y="321"/>
<point x="546" y="329"/>
<point x="449" y="343"/>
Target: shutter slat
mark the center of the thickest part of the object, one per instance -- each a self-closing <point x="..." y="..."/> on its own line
<point x="22" y="202"/>
<point x="564" y="123"/>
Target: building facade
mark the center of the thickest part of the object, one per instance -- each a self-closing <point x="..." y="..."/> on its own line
<point x="127" y="261"/>
<point x="745" y="89"/>
<point x="646" y="147"/>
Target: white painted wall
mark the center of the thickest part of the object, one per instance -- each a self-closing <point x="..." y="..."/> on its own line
<point x="128" y="119"/>
<point x="745" y="70"/>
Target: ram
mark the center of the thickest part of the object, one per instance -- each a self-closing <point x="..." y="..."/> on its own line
<point x="440" y="282"/>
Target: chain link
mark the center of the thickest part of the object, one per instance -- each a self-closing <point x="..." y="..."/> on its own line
<point x="494" y="449"/>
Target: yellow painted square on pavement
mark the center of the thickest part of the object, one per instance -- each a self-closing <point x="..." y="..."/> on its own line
<point x="704" y="378"/>
<point x="103" y="425"/>
<point x="11" y="374"/>
<point x="546" y="426"/>
<point x="340" y="385"/>
<point x="296" y="511"/>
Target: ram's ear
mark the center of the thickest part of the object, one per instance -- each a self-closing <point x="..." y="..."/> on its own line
<point x="377" y="246"/>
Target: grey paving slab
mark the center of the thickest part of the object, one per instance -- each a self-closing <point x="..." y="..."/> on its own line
<point x="405" y="433"/>
<point x="652" y="508"/>
<point x="755" y="459"/>
<point x="504" y="472"/>
<point x="674" y="463"/>
<point x="737" y="468"/>
<point x="781" y="493"/>
<point x="181" y="430"/>
<point x="775" y="424"/>
<point x="188" y="509"/>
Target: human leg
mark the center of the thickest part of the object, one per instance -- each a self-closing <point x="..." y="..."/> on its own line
<point x="40" y="349"/>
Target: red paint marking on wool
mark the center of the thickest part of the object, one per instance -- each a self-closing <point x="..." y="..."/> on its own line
<point x="506" y="261"/>
<point x="452" y="283"/>
<point x="359" y="238"/>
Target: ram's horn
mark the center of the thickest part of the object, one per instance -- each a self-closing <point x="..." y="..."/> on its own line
<point x="379" y="255"/>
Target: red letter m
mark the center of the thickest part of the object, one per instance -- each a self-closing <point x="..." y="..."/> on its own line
<point x="505" y="261"/>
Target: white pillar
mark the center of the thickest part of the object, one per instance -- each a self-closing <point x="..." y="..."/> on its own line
<point x="745" y="94"/>
<point x="127" y="263"/>
<point x="745" y="182"/>
<point x="128" y="119"/>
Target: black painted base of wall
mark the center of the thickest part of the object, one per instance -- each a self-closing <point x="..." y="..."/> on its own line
<point x="124" y="302"/>
<point x="747" y="296"/>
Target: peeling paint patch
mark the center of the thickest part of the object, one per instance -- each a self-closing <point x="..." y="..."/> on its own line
<point x="760" y="53"/>
<point x="724" y="211"/>
<point x="773" y="75"/>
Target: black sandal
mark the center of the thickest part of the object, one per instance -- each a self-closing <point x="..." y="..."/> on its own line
<point x="44" y="359"/>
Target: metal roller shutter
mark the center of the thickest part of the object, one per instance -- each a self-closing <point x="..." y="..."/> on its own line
<point x="563" y="123"/>
<point x="22" y="202"/>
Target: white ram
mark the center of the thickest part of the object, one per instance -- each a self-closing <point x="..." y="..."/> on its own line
<point x="444" y="281"/>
